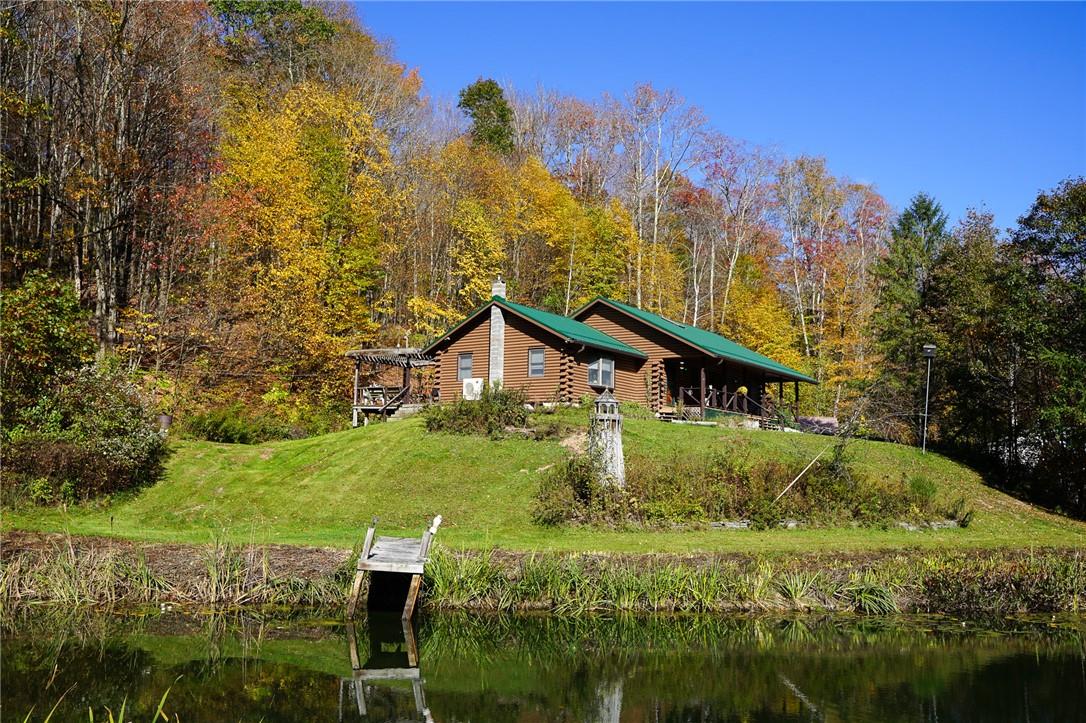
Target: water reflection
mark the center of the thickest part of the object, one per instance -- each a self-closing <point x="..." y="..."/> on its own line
<point x="531" y="669"/>
<point x="393" y="658"/>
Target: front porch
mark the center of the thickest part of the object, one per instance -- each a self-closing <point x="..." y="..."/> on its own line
<point x="701" y="388"/>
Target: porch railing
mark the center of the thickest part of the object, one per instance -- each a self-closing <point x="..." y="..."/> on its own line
<point x="715" y="399"/>
<point x="721" y="400"/>
<point x="378" y="396"/>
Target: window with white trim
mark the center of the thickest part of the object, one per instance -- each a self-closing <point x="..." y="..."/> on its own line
<point x="536" y="362"/>
<point x="601" y="372"/>
<point x="463" y="366"/>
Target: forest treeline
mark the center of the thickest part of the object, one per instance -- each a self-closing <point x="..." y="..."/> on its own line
<point x="220" y="198"/>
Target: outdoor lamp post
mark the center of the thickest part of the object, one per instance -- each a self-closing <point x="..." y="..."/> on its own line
<point x="929" y="353"/>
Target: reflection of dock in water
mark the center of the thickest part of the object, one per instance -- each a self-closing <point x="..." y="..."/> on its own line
<point x="393" y="658"/>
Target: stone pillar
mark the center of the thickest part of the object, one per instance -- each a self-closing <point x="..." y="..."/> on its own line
<point x="605" y="440"/>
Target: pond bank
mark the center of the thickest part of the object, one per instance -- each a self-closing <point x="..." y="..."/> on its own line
<point x="79" y="571"/>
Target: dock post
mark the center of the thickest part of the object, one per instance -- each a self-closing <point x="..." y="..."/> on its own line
<point x="356" y="586"/>
<point x="352" y="647"/>
<point x="412" y="597"/>
<point x="416" y="580"/>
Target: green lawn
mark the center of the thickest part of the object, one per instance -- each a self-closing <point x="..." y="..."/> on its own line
<point x="323" y="491"/>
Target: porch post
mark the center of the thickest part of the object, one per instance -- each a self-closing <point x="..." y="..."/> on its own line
<point x="407" y="382"/>
<point x="724" y="386"/>
<point x="354" y="397"/>
<point x="796" y="383"/>
<point x="703" y="390"/>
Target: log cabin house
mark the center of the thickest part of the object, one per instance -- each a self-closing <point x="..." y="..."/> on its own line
<point x="552" y="358"/>
<point x="675" y="369"/>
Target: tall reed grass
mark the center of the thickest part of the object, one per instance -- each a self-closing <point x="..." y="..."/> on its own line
<point x="1000" y="582"/>
<point x="228" y="576"/>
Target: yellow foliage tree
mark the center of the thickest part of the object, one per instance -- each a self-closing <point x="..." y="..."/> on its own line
<point x="296" y="239"/>
<point x="478" y="254"/>
<point x="758" y="317"/>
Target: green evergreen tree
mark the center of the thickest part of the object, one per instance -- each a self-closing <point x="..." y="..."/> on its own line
<point x="272" y="35"/>
<point x="900" y="321"/>
<point x="970" y="319"/>
<point x="491" y="116"/>
<point x="1010" y="321"/>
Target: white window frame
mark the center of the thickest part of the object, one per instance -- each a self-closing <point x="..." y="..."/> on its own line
<point x="542" y="351"/>
<point x="601" y="372"/>
<point x="460" y="375"/>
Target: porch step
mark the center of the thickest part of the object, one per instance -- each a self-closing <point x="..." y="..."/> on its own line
<point x="406" y="410"/>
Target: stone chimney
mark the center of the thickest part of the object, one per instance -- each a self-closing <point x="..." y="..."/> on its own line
<point x="496" y="373"/>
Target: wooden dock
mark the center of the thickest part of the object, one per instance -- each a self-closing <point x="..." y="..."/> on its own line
<point x="385" y="557"/>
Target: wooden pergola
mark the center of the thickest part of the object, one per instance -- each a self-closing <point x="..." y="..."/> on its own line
<point x="381" y="399"/>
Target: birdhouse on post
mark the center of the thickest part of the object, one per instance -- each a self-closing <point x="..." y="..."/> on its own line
<point x="605" y="440"/>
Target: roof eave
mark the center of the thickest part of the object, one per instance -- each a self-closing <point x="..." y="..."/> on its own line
<point x="793" y="376"/>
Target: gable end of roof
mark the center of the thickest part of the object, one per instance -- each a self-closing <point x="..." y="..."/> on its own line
<point x="565" y="328"/>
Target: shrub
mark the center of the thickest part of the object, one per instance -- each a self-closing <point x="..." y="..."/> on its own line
<point x="235" y="424"/>
<point x="495" y="411"/>
<point x="566" y="489"/>
<point x="724" y="486"/>
<point x="923" y="490"/>
<point x="93" y="434"/>
<point x="45" y="334"/>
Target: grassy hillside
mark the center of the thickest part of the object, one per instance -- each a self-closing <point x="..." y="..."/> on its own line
<point x="323" y="491"/>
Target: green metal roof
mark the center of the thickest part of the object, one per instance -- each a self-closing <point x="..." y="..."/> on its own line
<point x="562" y="326"/>
<point x="570" y="329"/>
<point x="707" y="341"/>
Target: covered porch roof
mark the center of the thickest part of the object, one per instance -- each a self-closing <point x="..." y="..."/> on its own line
<point x="403" y="357"/>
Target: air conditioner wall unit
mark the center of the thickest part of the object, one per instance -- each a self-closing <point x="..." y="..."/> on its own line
<point x="473" y="389"/>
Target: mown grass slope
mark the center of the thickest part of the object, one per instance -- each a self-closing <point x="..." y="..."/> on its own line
<point x="323" y="491"/>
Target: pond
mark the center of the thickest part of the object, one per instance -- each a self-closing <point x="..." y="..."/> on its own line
<point x="535" y="668"/>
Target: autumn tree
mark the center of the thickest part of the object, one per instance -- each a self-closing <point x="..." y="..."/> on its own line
<point x="478" y="253"/>
<point x="103" y="133"/>
<point x="759" y="316"/>
<point x="740" y="177"/>
<point x="295" y="264"/>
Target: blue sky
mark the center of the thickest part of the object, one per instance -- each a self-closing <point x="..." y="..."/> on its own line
<point x="978" y="104"/>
